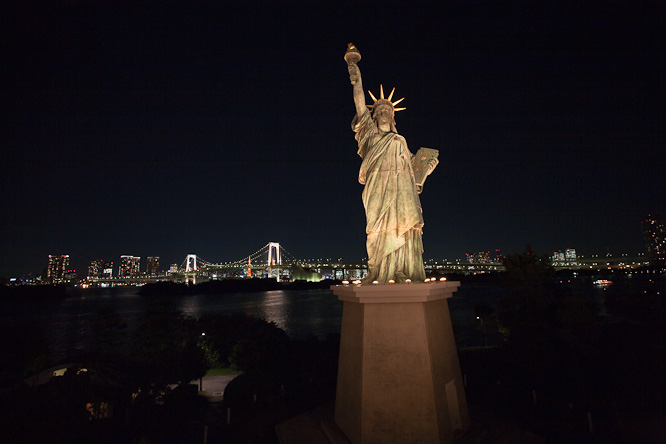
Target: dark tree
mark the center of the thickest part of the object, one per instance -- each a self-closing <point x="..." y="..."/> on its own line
<point x="22" y="351"/>
<point x="109" y="333"/>
<point x="244" y="342"/>
<point x="165" y="349"/>
<point x="526" y="309"/>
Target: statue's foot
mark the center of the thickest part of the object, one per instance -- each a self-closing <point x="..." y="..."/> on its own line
<point x="400" y="277"/>
<point x="369" y="279"/>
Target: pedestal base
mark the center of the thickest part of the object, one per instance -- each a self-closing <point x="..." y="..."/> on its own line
<point x="399" y="377"/>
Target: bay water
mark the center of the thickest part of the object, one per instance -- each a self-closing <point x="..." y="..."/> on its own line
<point x="68" y="323"/>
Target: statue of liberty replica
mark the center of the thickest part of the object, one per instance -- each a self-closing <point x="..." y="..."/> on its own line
<point x="391" y="194"/>
<point x="399" y="378"/>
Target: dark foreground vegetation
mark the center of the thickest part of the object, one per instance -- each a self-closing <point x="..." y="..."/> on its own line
<point x="565" y="372"/>
<point x="133" y="387"/>
<point x="33" y="293"/>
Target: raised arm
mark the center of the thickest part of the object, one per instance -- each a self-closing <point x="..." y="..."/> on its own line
<point x="357" y="82"/>
<point x="352" y="57"/>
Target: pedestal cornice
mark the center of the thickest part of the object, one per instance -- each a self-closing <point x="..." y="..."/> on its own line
<point x="392" y="293"/>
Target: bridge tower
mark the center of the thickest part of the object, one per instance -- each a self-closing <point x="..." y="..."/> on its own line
<point x="191" y="263"/>
<point x="274" y="257"/>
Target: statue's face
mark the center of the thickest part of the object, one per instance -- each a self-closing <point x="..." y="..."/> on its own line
<point x="384" y="114"/>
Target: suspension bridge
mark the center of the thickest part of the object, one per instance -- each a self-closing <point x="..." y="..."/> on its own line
<point x="274" y="261"/>
<point x="270" y="261"/>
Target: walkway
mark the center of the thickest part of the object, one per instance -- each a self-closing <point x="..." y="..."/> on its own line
<point x="213" y="387"/>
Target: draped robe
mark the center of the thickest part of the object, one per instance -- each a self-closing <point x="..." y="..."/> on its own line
<point x="392" y="205"/>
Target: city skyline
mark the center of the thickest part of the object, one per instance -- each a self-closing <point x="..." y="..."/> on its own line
<point x="152" y="265"/>
<point x="494" y="253"/>
<point x="212" y="129"/>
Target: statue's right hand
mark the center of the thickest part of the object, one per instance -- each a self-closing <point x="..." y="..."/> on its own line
<point x="353" y="73"/>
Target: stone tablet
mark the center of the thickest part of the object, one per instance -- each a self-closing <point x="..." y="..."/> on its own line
<point x="424" y="165"/>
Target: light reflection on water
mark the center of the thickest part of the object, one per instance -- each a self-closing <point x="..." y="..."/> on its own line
<point x="300" y="313"/>
<point x="274" y="308"/>
<point x="191" y="307"/>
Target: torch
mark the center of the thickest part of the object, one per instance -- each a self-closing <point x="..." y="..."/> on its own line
<point x="352" y="55"/>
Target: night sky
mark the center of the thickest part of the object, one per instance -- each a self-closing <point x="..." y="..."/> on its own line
<point x="162" y="129"/>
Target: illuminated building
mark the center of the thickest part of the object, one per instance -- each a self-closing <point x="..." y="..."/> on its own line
<point x="173" y="268"/>
<point x="566" y="258"/>
<point x="557" y="259"/>
<point x="100" y="269"/>
<point x="654" y="235"/>
<point x="95" y="269"/>
<point x="153" y="265"/>
<point x="482" y="257"/>
<point x="70" y="276"/>
<point x="57" y="269"/>
<point x="107" y="271"/>
<point x="129" y="266"/>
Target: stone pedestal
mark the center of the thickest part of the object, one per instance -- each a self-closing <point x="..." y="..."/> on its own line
<point x="399" y="378"/>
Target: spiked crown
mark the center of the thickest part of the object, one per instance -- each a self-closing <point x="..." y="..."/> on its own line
<point x="384" y="101"/>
